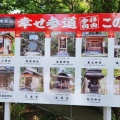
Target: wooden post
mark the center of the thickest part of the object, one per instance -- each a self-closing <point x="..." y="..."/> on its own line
<point x="106" y="113"/>
<point x="6" y="111"/>
<point x="71" y="117"/>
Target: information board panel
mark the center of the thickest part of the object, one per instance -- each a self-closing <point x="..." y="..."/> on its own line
<point x="71" y="59"/>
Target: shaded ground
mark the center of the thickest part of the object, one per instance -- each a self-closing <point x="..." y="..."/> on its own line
<point x="1" y="111"/>
<point x="94" y="54"/>
<point x="53" y="112"/>
<point x="5" y="89"/>
<point x="78" y="112"/>
<point x="57" y="90"/>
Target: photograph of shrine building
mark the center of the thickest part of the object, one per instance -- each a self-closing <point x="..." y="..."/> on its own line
<point x="93" y="81"/>
<point x="94" y="44"/>
<point x="62" y="80"/>
<point x="32" y="44"/>
<point x="63" y="44"/>
<point x="6" y="78"/>
<point x="7" y="43"/>
<point x="116" y="52"/>
<point x="117" y="45"/>
<point x="117" y="81"/>
<point x="117" y="39"/>
<point x="31" y="79"/>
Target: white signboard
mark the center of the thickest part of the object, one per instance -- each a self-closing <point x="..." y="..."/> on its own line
<point x="59" y="67"/>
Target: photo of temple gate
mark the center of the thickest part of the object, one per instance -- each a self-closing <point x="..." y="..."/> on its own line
<point x="32" y="44"/>
<point x="31" y="79"/>
<point x="6" y="78"/>
<point x="63" y="44"/>
<point x="117" y="81"/>
<point x="94" y="44"/>
<point x="62" y="80"/>
<point x="93" y="81"/>
<point x="7" y="42"/>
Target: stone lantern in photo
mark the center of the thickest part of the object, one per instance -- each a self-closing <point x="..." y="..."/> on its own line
<point x="94" y="76"/>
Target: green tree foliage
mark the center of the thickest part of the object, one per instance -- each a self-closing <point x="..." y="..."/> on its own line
<point x="104" y="6"/>
<point x="116" y="72"/>
<point x="54" y="71"/>
<point x="44" y="6"/>
<point x="104" y="72"/>
<point x="17" y="110"/>
<point x="60" y="6"/>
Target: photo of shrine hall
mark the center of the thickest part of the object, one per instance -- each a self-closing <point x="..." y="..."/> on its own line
<point x="117" y="81"/>
<point x="6" y="78"/>
<point x="117" y="39"/>
<point x="116" y="52"/>
<point x="31" y="79"/>
<point x="93" y="81"/>
<point x="7" y="43"/>
<point x="63" y="44"/>
<point x="32" y="44"/>
<point x="62" y="80"/>
<point x="117" y="45"/>
<point x="94" y="44"/>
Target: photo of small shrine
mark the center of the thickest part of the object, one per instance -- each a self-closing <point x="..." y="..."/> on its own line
<point x="117" y="81"/>
<point x="62" y="80"/>
<point x="31" y="79"/>
<point x="63" y="44"/>
<point x="116" y="52"/>
<point x="94" y="44"/>
<point x="32" y="44"/>
<point x="117" y="39"/>
<point x="7" y="43"/>
<point x="6" y="78"/>
<point x="93" y="81"/>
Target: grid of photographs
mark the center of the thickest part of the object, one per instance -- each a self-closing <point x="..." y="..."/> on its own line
<point x="53" y="73"/>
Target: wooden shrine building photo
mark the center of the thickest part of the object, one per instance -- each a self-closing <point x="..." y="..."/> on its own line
<point x="6" y="41"/>
<point x="31" y="80"/>
<point x="62" y="82"/>
<point x="62" y="45"/>
<point x="94" y="45"/>
<point x="6" y="78"/>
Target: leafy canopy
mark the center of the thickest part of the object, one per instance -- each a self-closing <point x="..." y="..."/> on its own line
<point x="59" y="6"/>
